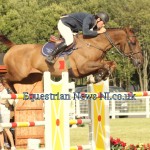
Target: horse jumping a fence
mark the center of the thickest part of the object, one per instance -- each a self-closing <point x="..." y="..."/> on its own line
<point x="57" y="133"/>
<point x="88" y="58"/>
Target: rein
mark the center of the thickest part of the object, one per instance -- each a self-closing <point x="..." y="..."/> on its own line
<point x="112" y="43"/>
<point x="89" y="45"/>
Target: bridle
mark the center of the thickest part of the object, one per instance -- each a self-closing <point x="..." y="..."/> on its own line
<point x="130" y="43"/>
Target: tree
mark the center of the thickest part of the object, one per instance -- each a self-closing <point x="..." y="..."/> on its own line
<point x="34" y="21"/>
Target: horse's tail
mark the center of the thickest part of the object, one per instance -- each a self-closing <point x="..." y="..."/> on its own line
<point x="6" y="41"/>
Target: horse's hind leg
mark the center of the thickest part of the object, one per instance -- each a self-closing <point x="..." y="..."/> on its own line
<point x="17" y="71"/>
<point x="9" y="86"/>
<point x="11" y="78"/>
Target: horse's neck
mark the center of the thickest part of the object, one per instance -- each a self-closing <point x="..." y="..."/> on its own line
<point x="116" y="35"/>
<point x="99" y="42"/>
<point x="102" y="41"/>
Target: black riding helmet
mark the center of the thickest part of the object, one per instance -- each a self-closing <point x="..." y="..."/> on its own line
<point x="103" y="16"/>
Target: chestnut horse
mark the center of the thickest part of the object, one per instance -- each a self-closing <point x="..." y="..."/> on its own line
<point x="88" y="58"/>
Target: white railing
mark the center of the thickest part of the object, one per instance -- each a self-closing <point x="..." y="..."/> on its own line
<point x="120" y="108"/>
<point x="138" y="107"/>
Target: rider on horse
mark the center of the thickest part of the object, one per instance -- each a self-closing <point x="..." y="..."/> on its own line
<point x="90" y="25"/>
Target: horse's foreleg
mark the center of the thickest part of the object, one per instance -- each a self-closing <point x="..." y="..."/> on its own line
<point x="103" y="73"/>
<point x="102" y="68"/>
<point x="112" y="65"/>
<point x="93" y="66"/>
<point x="90" y="67"/>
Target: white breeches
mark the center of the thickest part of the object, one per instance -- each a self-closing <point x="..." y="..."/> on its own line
<point x="66" y="33"/>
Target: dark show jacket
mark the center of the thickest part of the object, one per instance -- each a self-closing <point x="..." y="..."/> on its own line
<point x="81" y="22"/>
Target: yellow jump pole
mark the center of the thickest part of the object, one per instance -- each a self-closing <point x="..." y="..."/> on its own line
<point x="99" y="132"/>
<point x="57" y="136"/>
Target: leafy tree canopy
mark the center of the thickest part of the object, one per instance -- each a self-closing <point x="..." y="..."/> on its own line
<point x="34" y="21"/>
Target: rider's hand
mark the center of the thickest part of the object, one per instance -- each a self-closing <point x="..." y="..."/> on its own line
<point x="102" y="30"/>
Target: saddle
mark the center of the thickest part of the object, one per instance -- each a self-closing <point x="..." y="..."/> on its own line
<point x="53" y="42"/>
<point x="57" y="41"/>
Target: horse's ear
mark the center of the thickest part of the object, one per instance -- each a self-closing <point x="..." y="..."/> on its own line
<point x="127" y="29"/>
<point x="130" y="29"/>
<point x="130" y="26"/>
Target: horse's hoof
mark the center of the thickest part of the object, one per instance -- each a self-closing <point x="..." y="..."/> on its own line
<point x="98" y="79"/>
<point x="90" y="81"/>
<point x="105" y="78"/>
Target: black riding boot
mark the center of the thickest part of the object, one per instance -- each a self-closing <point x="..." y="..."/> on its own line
<point x="59" y="48"/>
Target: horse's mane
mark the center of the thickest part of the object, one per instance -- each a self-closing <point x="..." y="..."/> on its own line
<point x="119" y="28"/>
<point x="122" y="28"/>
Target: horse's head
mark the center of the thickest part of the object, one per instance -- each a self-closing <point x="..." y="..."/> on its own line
<point x="132" y="48"/>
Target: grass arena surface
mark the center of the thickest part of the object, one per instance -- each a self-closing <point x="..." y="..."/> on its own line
<point x="129" y="130"/>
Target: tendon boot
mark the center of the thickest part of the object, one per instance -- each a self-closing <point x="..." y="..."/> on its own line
<point x="59" y="48"/>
